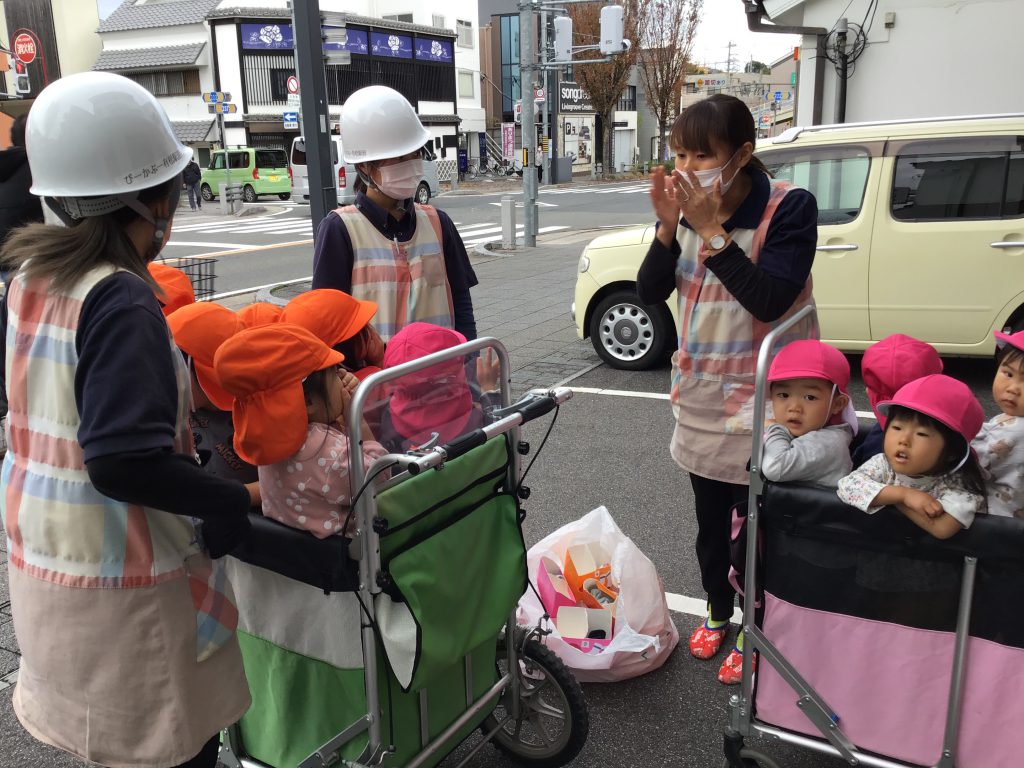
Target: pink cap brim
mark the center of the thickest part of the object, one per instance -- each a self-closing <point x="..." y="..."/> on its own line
<point x="1015" y="340"/>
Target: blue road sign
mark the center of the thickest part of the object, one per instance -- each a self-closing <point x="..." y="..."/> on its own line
<point x="778" y="95"/>
<point x="216" y="97"/>
<point x="291" y="121"/>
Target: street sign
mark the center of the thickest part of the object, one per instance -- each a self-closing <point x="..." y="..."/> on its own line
<point x="291" y="121"/>
<point x="778" y="95"/>
<point x="294" y="100"/>
<point x="216" y="97"/>
<point x="792" y="78"/>
<point x="539" y="95"/>
<point x="222" y="109"/>
<point x="293" y="85"/>
<point x="24" y="48"/>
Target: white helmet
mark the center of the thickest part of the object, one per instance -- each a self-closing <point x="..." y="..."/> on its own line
<point x="378" y="123"/>
<point x="97" y="134"/>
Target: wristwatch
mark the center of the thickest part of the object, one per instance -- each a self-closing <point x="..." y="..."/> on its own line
<point x="717" y="242"/>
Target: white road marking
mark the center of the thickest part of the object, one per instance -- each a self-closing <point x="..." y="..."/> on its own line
<point x="207" y="245"/>
<point x="620" y="393"/>
<point x="241" y="291"/>
<point x="695" y="606"/>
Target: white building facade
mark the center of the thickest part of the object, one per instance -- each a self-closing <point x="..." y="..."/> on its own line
<point x="923" y="59"/>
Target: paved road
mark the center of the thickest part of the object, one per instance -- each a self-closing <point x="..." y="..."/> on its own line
<point x="605" y="449"/>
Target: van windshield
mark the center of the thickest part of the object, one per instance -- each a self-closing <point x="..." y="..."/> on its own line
<point x="271" y="158"/>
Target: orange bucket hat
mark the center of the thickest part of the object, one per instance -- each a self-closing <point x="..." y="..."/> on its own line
<point x="264" y="368"/>
<point x="198" y="331"/>
<point x="175" y="285"/>
<point x="333" y="316"/>
<point x="260" y="313"/>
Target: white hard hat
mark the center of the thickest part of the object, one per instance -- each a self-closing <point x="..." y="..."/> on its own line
<point x="378" y="123"/>
<point x="98" y="134"/>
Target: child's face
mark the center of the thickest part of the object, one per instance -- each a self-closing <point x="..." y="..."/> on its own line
<point x="1008" y="388"/>
<point x="331" y="410"/>
<point x="912" y="448"/>
<point x="802" y="405"/>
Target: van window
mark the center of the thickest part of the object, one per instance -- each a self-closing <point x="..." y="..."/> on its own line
<point x="239" y="159"/>
<point x="218" y="162"/>
<point x="937" y="187"/>
<point x="836" y="176"/>
<point x="299" y="153"/>
<point x="1013" y="204"/>
<point x="271" y="158"/>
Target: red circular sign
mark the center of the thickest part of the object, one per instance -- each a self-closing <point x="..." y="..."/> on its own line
<point x="293" y="84"/>
<point x="25" y="48"/>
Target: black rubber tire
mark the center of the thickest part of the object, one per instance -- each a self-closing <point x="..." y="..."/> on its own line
<point x="753" y="759"/>
<point x="206" y="192"/>
<point x="628" y="334"/>
<point x="536" y="658"/>
<point x="285" y="196"/>
<point x="249" y="194"/>
<point x="423" y="193"/>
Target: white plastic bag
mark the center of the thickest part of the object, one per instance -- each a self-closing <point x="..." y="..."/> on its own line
<point x="644" y="632"/>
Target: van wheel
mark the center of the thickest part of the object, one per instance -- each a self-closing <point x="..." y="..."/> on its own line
<point x="628" y="334"/>
<point x="206" y="192"/>
<point x="285" y="196"/>
<point x="423" y="193"/>
<point x="249" y="194"/>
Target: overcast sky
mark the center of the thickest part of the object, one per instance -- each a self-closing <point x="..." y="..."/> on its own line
<point x="106" y="6"/>
<point x="722" y="22"/>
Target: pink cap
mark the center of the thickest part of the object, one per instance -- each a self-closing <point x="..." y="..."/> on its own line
<point x="813" y="359"/>
<point x="892" y="362"/>
<point x="944" y="399"/>
<point x="1015" y="340"/>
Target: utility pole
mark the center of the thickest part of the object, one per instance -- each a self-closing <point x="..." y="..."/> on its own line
<point x="309" y="64"/>
<point x="527" y="28"/>
<point x="545" y="129"/>
<point x="728" y="59"/>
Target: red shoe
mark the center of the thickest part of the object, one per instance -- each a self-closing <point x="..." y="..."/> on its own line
<point x="705" y="642"/>
<point x="731" y="671"/>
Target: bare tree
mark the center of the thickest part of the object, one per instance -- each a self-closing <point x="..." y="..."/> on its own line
<point x="605" y="82"/>
<point x="666" y="31"/>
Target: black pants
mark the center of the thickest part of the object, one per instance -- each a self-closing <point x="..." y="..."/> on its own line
<point x="712" y="500"/>
<point x="207" y="757"/>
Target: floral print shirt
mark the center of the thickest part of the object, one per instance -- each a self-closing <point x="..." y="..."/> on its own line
<point x="1000" y="449"/>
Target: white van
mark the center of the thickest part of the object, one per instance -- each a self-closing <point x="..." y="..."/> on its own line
<point x="346" y="173"/>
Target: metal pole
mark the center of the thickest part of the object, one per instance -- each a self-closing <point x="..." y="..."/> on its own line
<point x="309" y="64"/>
<point x="546" y="128"/>
<point x="527" y="29"/>
<point x="225" y="205"/>
<point x="843" y="63"/>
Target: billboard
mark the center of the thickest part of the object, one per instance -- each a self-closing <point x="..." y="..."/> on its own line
<point x="573" y="99"/>
<point x="35" y="19"/>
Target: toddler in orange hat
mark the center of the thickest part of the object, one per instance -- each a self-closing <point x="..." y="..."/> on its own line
<point x="175" y="287"/>
<point x="199" y="330"/>
<point x="342" y="322"/>
<point x="289" y="410"/>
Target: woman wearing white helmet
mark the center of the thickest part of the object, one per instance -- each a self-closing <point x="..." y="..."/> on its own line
<point x="126" y="624"/>
<point x="406" y="257"/>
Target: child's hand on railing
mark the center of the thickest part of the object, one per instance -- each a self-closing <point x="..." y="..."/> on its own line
<point x="488" y="369"/>
<point x="921" y="502"/>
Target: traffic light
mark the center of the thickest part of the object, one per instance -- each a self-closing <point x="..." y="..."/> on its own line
<point x="611" y="31"/>
<point x="21" y="80"/>
<point x="563" y="38"/>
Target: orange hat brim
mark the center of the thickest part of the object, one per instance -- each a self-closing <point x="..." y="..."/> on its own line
<point x="219" y="396"/>
<point x="318" y="312"/>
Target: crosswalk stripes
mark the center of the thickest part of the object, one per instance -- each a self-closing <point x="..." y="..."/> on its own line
<point x="629" y="189"/>
<point x="472" y="234"/>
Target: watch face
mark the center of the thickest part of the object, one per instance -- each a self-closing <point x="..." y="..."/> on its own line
<point x="717" y="242"/>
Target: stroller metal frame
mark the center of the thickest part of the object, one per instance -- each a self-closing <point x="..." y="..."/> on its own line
<point x="365" y="547"/>
<point x="741" y="715"/>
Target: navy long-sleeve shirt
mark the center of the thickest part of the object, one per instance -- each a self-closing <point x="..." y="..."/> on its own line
<point x="766" y="289"/>
<point x="333" y="255"/>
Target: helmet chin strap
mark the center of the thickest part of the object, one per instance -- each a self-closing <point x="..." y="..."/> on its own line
<point x="72" y="210"/>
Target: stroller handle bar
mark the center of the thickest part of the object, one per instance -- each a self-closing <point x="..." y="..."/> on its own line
<point x="532" y="405"/>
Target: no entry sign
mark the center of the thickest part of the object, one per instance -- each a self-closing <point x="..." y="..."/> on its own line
<point x="25" y="48"/>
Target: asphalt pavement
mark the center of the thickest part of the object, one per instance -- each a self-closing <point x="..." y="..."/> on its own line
<point x="606" y="448"/>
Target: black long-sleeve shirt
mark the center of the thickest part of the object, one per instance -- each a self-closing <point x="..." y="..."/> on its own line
<point x="333" y="255"/>
<point x="767" y="289"/>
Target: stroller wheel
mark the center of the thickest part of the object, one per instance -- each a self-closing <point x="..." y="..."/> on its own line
<point x="553" y="723"/>
<point x="752" y="759"/>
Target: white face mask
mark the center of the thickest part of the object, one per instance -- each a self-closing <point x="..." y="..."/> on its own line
<point x="708" y="178"/>
<point x="399" y="181"/>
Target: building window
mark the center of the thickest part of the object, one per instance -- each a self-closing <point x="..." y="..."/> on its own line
<point x="467" y="90"/>
<point x="406" y="17"/>
<point x="510" y="85"/>
<point x="178" y="82"/>
<point x="266" y="76"/>
<point x="437" y="20"/>
<point x="627" y="101"/>
<point x="465" y="30"/>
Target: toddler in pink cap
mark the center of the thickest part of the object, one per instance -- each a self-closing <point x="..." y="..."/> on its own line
<point x="808" y="440"/>
<point x="927" y="468"/>
<point x="1000" y="445"/>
